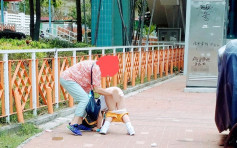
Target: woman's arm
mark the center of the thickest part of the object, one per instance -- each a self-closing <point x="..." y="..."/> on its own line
<point x="99" y="122"/>
<point x="102" y="91"/>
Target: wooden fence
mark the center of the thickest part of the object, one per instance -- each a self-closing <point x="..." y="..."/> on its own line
<point x="27" y="80"/>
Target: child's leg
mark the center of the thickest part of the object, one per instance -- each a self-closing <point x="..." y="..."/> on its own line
<point x="126" y="118"/>
<point x="106" y="125"/>
<point x="128" y="124"/>
<point x="117" y="93"/>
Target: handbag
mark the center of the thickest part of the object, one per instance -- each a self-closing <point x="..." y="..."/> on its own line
<point x="93" y="106"/>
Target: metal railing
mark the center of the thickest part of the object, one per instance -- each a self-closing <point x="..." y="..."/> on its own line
<point x="59" y="34"/>
<point x="70" y="34"/>
<point x="30" y="77"/>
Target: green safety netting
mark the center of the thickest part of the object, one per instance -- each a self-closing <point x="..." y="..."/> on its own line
<point x="106" y="23"/>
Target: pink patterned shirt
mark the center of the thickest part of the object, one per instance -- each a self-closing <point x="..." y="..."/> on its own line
<point x="81" y="74"/>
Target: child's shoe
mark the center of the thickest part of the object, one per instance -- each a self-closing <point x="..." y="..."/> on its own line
<point x="74" y="128"/>
<point x="130" y="129"/>
<point x="105" y="128"/>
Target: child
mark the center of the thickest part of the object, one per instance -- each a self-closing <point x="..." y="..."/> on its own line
<point x="96" y="125"/>
<point x="117" y="112"/>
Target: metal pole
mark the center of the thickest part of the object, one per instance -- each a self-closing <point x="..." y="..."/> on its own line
<point x="56" y="77"/>
<point x="158" y="63"/>
<point x="114" y="51"/>
<point x="147" y="52"/>
<point x="84" y="4"/>
<point x="2" y="13"/>
<point x="124" y="60"/>
<point x="143" y="18"/>
<point x="132" y="65"/>
<point x="140" y="60"/>
<point x="74" y="57"/>
<point x="188" y="11"/>
<point x="232" y="18"/>
<point x="90" y="53"/>
<point x="34" y="84"/>
<point x="24" y="7"/>
<point x="181" y="13"/>
<point x="50" y="16"/>
<point x="6" y="85"/>
<point x="163" y="64"/>
<point x="153" y="9"/>
<point x="152" y="60"/>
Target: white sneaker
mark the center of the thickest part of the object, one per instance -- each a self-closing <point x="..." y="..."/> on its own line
<point x="105" y="128"/>
<point x="130" y="129"/>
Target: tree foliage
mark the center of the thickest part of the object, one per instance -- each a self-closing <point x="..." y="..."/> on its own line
<point x="139" y="5"/>
<point x="44" y="5"/>
<point x="73" y="14"/>
<point x="55" y="3"/>
<point x="152" y="29"/>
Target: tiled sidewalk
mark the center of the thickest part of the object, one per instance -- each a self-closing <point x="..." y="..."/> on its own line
<point x="163" y="116"/>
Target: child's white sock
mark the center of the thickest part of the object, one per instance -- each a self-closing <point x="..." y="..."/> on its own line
<point x="130" y="128"/>
<point x="105" y="127"/>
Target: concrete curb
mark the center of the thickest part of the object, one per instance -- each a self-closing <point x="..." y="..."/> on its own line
<point x="39" y="120"/>
<point x="199" y="90"/>
<point x="49" y="117"/>
<point x="68" y="111"/>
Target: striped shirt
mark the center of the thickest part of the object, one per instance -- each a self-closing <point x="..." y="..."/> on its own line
<point x="81" y="74"/>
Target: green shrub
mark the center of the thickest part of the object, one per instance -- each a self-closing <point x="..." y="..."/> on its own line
<point x="10" y="44"/>
<point x="15" y="44"/>
<point x="175" y="68"/>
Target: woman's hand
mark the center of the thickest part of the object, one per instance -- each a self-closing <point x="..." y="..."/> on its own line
<point x="95" y="129"/>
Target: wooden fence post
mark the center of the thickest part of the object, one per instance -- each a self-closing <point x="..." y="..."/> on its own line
<point x="155" y="71"/>
<point x="103" y="82"/>
<point x="115" y="80"/>
<point x="49" y="100"/>
<point x="142" y="76"/>
<point x="20" y="117"/>
<point x="179" y="66"/>
<point x="161" y="69"/>
<point x="70" y="101"/>
<point x="148" y="73"/>
<point x="125" y="80"/>
<point x="171" y="67"/>
<point x="133" y="77"/>
<point x="166" y="68"/>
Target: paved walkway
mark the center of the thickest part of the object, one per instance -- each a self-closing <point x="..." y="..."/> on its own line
<point x="163" y="116"/>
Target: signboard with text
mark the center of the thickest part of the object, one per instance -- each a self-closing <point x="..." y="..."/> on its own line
<point x="205" y="38"/>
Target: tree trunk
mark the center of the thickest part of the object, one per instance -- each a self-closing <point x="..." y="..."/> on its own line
<point x="31" y="3"/>
<point x="79" y="28"/>
<point x="37" y="24"/>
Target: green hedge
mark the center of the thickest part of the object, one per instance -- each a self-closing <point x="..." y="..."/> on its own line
<point x="10" y="44"/>
<point x="15" y="44"/>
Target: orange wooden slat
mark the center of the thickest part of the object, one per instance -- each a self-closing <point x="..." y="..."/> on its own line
<point x="30" y="77"/>
<point x="2" y="89"/>
<point x="37" y="82"/>
<point x="59" y="86"/>
<point x="11" y="84"/>
<point x="53" y="74"/>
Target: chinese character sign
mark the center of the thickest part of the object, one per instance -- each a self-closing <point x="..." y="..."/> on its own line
<point x="205" y="38"/>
